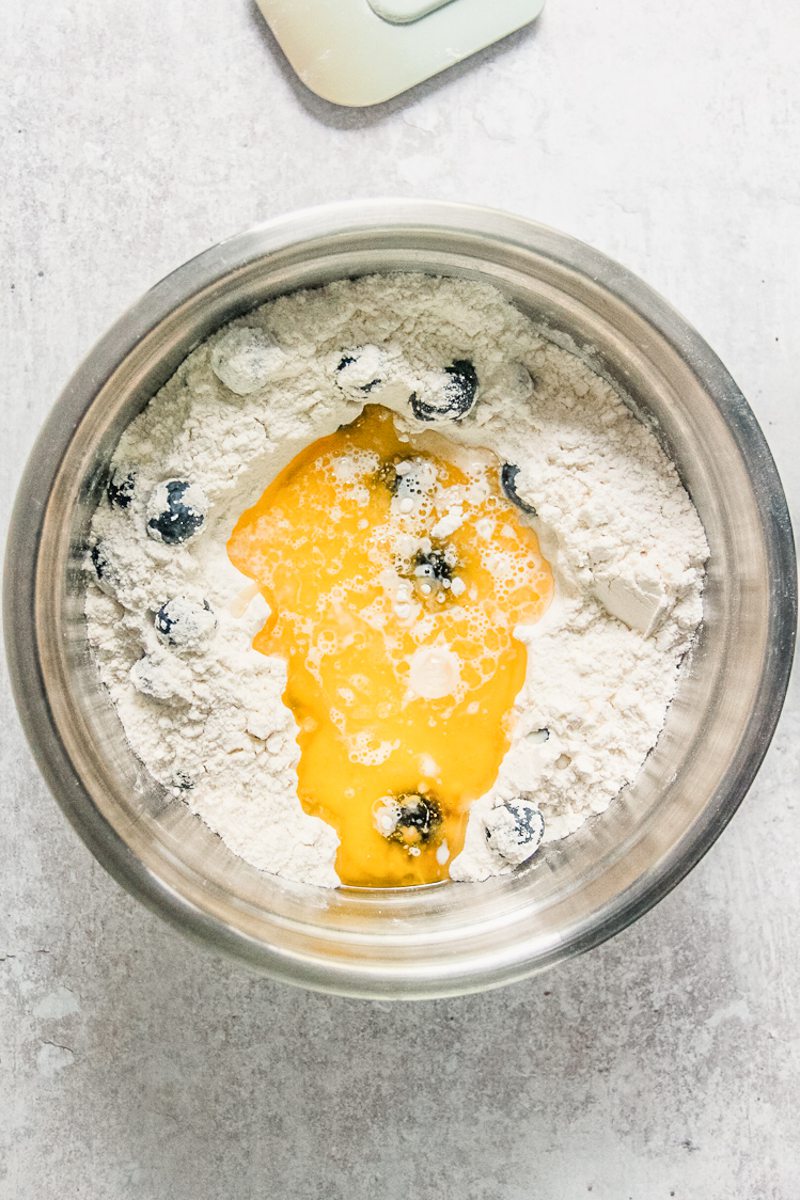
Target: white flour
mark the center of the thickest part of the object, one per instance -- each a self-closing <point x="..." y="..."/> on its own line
<point x="203" y="710"/>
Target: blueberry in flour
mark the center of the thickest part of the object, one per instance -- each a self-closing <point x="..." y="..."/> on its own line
<point x="361" y="370"/>
<point x="120" y="488"/>
<point x="155" y="676"/>
<point x="245" y="359"/>
<point x="105" y="567"/>
<point x="99" y="561"/>
<point x="452" y="398"/>
<point x="514" y="830"/>
<point x="185" y="624"/>
<point x="176" y="511"/>
<point x="508" y="479"/>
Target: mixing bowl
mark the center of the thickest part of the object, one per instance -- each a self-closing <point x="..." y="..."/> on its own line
<point x="449" y="938"/>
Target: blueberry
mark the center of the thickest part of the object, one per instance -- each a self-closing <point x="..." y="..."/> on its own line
<point x="515" y="380"/>
<point x="419" y="817"/>
<point x="185" y="624"/>
<point x="435" y="565"/>
<point x="120" y="487"/>
<point x="454" y="396"/>
<point x="176" y="511"/>
<point x="361" y="370"/>
<point x="245" y="359"/>
<point x="411" y="819"/>
<point x="508" y="478"/>
<point x="99" y="560"/>
<point x="514" y="830"/>
<point x="165" y="624"/>
<point x="105" y="567"/>
<point x="154" y="675"/>
<point x="433" y="573"/>
<point x="388" y="475"/>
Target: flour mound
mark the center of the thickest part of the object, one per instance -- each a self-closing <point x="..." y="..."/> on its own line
<point x="204" y="712"/>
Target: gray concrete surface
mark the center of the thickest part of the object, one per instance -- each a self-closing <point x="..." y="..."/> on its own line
<point x="665" y="1064"/>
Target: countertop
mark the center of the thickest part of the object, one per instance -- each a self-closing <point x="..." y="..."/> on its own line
<point x="667" y="1062"/>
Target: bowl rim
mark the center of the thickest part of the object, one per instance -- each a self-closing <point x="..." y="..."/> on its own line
<point x="220" y="260"/>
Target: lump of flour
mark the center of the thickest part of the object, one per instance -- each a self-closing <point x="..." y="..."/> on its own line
<point x="245" y="358"/>
<point x="171" y="622"/>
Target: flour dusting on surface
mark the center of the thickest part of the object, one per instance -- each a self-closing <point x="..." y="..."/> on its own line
<point x="171" y="621"/>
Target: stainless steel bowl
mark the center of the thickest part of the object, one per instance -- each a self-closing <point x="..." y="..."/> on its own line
<point x="453" y="938"/>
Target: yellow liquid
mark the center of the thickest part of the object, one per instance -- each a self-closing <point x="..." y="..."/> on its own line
<point x="399" y="639"/>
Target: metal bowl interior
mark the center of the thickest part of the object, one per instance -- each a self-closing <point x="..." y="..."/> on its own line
<point x="456" y="937"/>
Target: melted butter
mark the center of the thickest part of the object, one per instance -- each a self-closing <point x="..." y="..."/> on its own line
<point x="395" y="580"/>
